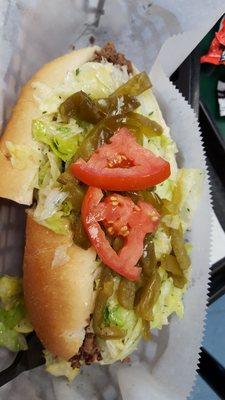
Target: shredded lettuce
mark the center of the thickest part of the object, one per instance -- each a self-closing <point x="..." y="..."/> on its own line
<point x="49" y="171"/>
<point x="189" y="185"/>
<point x="63" y="139"/>
<point x="50" y="210"/>
<point x="10" y="290"/>
<point x="170" y="301"/>
<point x="166" y="148"/>
<point x="59" y="367"/>
<point x="11" y="339"/>
<point x="12" y="316"/>
<point x="13" y="320"/>
<point x="165" y="189"/>
<point x="162" y="242"/>
<point x="185" y="197"/>
<point x="98" y="80"/>
<point x="118" y="349"/>
<point x="49" y="203"/>
<point x="58" y="223"/>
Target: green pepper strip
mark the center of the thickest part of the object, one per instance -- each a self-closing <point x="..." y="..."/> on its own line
<point x="178" y="245"/>
<point x="135" y="86"/>
<point x="147" y="296"/>
<point x="126" y="293"/>
<point x="101" y="133"/>
<point x="76" y="195"/>
<point x="105" y="291"/>
<point x="79" y="105"/>
<point x="148" y="259"/>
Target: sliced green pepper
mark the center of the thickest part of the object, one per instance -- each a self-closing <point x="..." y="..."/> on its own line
<point x="147" y="195"/>
<point x="126" y="293"/>
<point x="135" y="86"/>
<point x="74" y="188"/>
<point x="180" y="251"/>
<point x="171" y="265"/>
<point x="147" y="296"/>
<point x="148" y="259"/>
<point x="146" y="333"/>
<point x="79" y="235"/>
<point x="101" y="133"/>
<point x="79" y="105"/>
<point x="117" y="243"/>
<point x="105" y="291"/>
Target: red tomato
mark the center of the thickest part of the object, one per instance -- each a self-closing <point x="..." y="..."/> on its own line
<point x="121" y="217"/>
<point x="122" y="165"/>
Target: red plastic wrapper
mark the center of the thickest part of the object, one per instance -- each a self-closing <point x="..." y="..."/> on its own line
<point x="216" y="53"/>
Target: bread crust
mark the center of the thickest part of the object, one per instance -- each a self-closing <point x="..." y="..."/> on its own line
<point x="15" y="184"/>
<point x="59" y="298"/>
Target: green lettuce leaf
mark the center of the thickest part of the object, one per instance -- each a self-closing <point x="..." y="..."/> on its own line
<point x="58" y="223"/>
<point x="165" y="189"/>
<point x="11" y="339"/>
<point x="10" y="318"/>
<point x="13" y="320"/>
<point x="63" y="139"/>
<point x="11" y="290"/>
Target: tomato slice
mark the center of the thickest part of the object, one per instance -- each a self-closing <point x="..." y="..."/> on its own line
<point x="121" y="217"/>
<point x="122" y="165"/>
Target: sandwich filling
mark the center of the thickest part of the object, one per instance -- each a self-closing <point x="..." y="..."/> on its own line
<point x="108" y="176"/>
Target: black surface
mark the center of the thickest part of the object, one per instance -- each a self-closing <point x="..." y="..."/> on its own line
<point x="215" y="152"/>
<point x="217" y="286"/>
<point x="25" y="360"/>
<point x="213" y="373"/>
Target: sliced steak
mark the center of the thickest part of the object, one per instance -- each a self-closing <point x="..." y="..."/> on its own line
<point x="108" y="52"/>
<point x="88" y="353"/>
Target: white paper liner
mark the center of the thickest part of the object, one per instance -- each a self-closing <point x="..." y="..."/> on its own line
<point x="165" y="368"/>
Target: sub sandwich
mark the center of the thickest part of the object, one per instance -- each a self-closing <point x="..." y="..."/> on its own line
<point x="105" y="260"/>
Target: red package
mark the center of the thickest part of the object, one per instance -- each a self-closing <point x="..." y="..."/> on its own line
<point x="216" y="53"/>
<point x="221" y="34"/>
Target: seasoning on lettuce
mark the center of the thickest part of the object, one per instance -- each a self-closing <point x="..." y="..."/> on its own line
<point x="170" y="301"/>
<point x="185" y="196"/>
